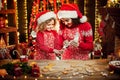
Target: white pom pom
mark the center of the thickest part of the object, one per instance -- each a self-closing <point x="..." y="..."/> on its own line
<point x="33" y="34"/>
<point x="83" y="19"/>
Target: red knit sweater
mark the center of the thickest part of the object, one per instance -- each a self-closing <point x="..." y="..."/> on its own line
<point x="85" y="41"/>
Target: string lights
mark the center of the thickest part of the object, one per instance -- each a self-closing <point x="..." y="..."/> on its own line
<point x="85" y="9"/>
<point x="16" y="18"/>
<point x="25" y="18"/>
<point x="113" y="3"/>
<point x="97" y="21"/>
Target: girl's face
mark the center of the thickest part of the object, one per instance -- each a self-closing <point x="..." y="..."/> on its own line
<point x="67" y="21"/>
<point x="50" y="25"/>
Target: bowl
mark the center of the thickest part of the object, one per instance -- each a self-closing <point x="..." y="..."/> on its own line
<point x="114" y="65"/>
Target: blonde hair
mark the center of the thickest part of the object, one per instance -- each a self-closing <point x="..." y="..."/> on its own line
<point x="42" y="26"/>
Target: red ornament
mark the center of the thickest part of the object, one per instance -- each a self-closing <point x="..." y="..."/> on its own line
<point x="17" y="70"/>
<point x="2" y="22"/>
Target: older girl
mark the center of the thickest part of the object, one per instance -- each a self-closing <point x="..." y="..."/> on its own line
<point x="76" y="33"/>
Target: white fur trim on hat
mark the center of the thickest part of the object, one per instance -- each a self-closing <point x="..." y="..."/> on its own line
<point x="83" y="19"/>
<point x="46" y="16"/>
<point x="67" y="14"/>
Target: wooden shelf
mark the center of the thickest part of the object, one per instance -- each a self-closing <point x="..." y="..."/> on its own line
<point x="10" y="11"/>
<point x="10" y="32"/>
<point x="8" y="29"/>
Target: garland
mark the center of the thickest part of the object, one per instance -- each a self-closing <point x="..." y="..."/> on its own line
<point x="10" y="67"/>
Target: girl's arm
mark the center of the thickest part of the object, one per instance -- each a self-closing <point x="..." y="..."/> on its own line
<point x="40" y="43"/>
<point x="87" y="41"/>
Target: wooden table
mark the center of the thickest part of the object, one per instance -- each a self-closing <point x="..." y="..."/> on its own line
<point x="69" y="70"/>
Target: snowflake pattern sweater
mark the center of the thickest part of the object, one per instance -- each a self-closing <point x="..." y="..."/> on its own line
<point x="85" y="42"/>
<point x="45" y="43"/>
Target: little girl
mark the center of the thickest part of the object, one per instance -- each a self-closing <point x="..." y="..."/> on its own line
<point x="47" y="37"/>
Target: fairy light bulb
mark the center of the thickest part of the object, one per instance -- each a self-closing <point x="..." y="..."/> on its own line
<point x="25" y="77"/>
<point x="5" y="1"/>
<point x="14" y="77"/>
<point x="36" y="79"/>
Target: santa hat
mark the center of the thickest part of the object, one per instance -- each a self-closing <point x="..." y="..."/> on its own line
<point x="71" y="11"/>
<point x="43" y="16"/>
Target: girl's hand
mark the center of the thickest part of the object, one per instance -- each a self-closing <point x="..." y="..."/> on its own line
<point x="74" y="43"/>
<point x="66" y="44"/>
<point x="58" y="51"/>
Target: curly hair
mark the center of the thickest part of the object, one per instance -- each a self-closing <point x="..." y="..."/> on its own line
<point x="41" y="27"/>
